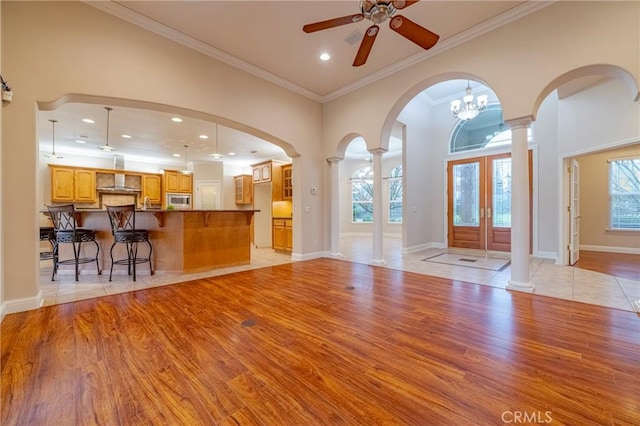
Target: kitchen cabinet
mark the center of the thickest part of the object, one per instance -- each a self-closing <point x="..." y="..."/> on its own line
<point x="282" y="234"/>
<point x="152" y="188"/>
<point x="85" y="186"/>
<point x="243" y="189"/>
<point x="70" y="184"/>
<point x="177" y="182"/>
<point x="262" y="172"/>
<point x="287" y="182"/>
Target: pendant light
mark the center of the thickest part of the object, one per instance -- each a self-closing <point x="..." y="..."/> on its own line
<point x="215" y="155"/>
<point x="107" y="147"/>
<point x="53" y="141"/>
<point x="186" y="171"/>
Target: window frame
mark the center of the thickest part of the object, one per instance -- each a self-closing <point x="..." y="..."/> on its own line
<point x="397" y="180"/>
<point x="615" y="218"/>
<point x="362" y="176"/>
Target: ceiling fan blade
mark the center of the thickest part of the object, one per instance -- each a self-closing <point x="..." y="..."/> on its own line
<point x="335" y="22"/>
<point x="401" y="4"/>
<point x="366" y="45"/>
<point x="414" y="32"/>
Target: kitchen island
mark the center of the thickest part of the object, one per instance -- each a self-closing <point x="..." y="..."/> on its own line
<point x="184" y="241"/>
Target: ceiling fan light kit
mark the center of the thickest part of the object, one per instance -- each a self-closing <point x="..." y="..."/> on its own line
<point x="378" y="11"/>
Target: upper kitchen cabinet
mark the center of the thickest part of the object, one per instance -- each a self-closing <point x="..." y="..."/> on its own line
<point x="243" y="189"/>
<point x="72" y="184"/>
<point x="287" y="182"/>
<point x="152" y="188"/>
<point x="262" y="172"/>
<point x="175" y="181"/>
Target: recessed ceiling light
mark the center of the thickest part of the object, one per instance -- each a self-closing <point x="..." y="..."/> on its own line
<point x="80" y="141"/>
<point x="232" y="153"/>
<point x="177" y="119"/>
<point x="176" y="155"/>
<point x="126" y="136"/>
<point x="88" y="120"/>
<point x="325" y="56"/>
<point x="204" y="137"/>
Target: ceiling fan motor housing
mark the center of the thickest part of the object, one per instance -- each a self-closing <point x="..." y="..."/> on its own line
<point x="377" y="11"/>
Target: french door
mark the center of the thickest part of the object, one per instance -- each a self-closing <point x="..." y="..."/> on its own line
<point x="479" y="202"/>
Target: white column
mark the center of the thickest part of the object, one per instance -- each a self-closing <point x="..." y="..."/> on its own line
<point x="334" y="172"/>
<point x="377" y="258"/>
<point x="520" y="236"/>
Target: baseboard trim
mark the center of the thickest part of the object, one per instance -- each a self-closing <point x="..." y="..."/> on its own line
<point x="21" y="305"/>
<point x="609" y="249"/>
<point x="309" y="256"/>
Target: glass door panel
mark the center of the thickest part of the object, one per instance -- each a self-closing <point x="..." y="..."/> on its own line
<point x="466" y="198"/>
<point x="499" y="200"/>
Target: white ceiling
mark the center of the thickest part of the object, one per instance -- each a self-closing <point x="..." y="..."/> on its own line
<point x="266" y="39"/>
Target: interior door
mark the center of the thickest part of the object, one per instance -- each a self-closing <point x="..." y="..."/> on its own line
<point x="466" y="198"/>
<point x="574" y="211"/>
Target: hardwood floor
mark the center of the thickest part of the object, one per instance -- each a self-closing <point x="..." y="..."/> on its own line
<point x="321" y="342"/>
<point x="617" y="264"/>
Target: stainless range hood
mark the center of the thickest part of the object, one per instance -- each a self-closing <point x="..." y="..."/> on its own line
<point x="119" y="180"/>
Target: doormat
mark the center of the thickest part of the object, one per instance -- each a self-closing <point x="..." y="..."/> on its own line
<point x="478" y="262"/>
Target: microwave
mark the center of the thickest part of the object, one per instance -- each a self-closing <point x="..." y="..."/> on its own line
<point x="179" y="201"/>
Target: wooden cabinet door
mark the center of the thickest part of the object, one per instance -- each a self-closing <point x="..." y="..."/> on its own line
<point x="243" y="189"/>
<point x="151" y="188"/>
<point x="287" y="182"/>
<point x="85" y="186"/>
<point x="171" y="181"/>
<point x="239" y="189"/>
<point x="279" y="235"/>
<point x="184" y="182"/>
<point x="288" y="232"/>
<point x="265" y="172"/>
<point x="61" y="184"/>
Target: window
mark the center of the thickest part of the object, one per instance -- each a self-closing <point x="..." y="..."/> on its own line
<point x="624" y="193"/>
<point x="362" y="195"/>
<point x="485" y="131"/>
<point x="395" y="195"/>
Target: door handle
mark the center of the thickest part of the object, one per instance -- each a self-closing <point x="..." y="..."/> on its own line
<point x="481" y="213"/>
<point x="489" y="213"/>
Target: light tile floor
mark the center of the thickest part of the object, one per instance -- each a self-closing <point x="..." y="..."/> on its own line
<point x="551" y="280"/>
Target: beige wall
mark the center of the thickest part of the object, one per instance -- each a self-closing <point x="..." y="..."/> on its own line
<point x="53" y="49"/>
<point x="518" y="61"/>
<point x="594" y="204"/>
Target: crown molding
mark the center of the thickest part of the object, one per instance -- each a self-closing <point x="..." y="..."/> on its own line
<point x="489" y="25"/>
<point x="148" y="24"/>
<point x="142" y="21"/>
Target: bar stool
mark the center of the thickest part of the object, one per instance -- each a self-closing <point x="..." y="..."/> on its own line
<point x="47" y="233"/>
<point x="66" y="231"/>
<point x="123" y="228"/>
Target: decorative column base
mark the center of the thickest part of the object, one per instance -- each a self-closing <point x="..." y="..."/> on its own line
<point x="525" y="287"/>
<point x="636" y="305"/>
<point x="375" y="262"/>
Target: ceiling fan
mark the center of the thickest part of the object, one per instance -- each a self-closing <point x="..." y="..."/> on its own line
<point x="378" y="11"/>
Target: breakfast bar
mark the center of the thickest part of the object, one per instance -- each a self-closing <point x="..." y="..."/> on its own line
<point x="184" y="241"/>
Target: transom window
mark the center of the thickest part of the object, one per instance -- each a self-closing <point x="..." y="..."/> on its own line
<point x="362" y="195"/>
<point x="485" y="131"/>
<point x="624" y="193"/>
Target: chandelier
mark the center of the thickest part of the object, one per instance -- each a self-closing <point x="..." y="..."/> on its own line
<point x="469" y="110"/>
